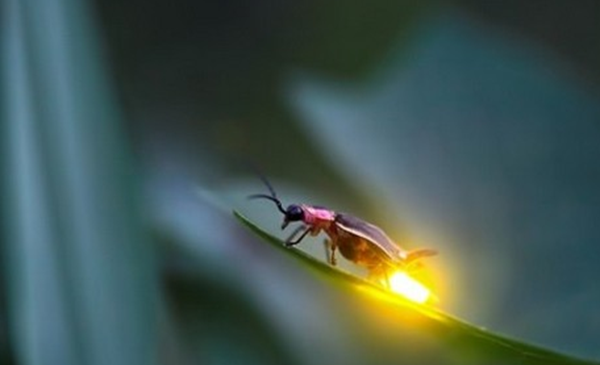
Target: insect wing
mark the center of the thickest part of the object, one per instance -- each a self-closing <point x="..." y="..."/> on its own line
<point x="370" y="233"/>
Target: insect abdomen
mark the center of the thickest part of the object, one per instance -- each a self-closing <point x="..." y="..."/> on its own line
<point x="360" y="251"/>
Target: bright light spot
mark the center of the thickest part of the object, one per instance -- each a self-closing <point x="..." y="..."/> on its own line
<point x="408" y="287"/>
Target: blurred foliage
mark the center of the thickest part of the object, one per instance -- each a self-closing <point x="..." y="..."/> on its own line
<point x="486" y="150"/>
<point x="444" y="128"/>
<point x="217" y="72"/>
<point x="82" y="284"/>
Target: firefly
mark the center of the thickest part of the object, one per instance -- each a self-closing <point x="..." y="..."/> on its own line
<point x="360" y="242"/>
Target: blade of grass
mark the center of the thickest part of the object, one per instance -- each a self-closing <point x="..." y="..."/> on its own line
<point x="470" y="334"/>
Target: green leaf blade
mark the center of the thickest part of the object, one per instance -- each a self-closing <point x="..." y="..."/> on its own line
<point x="459" y="341"/>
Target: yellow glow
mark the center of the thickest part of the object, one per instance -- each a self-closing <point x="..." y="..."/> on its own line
<point x="408" y="287"/>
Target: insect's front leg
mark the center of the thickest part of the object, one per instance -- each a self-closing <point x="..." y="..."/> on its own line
<point x="330" y="252"/>
<point x="294" y="233"/>
<point x="289" y="242"/>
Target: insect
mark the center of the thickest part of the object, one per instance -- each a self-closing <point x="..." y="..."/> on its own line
<point x="358" y="241"/>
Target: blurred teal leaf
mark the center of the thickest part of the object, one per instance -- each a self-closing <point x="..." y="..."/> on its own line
<point x="458" y="341"/>
<point x="82" y="278"/>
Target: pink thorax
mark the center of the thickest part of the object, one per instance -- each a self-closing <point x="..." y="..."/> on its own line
<point x="314" y="215"/>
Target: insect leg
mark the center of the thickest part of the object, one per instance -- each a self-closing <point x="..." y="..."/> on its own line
<point x="378" y="274"/>
<point x="295" y="233"/>
<point x="289" y="242"/>
<point x="330" y="252"/>
<point x="414" y="266"/>
<point x="386" y="278"/>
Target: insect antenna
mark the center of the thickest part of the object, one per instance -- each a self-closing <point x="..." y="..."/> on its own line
<point x="268" y="184"/>
<point x="274" y="200"/>
<point x="272" y="197"/>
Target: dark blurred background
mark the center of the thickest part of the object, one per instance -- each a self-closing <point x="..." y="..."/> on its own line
<point x="470" y="127"/>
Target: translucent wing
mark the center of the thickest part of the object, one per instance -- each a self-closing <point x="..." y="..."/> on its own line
<point x="371" y="233"/>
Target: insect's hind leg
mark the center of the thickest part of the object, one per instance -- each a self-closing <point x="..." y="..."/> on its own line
<point x="386" y="278"/>
<point x="379" y="275"/>
<point x="330" y="252"/>
<point x="414" y="266"/>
